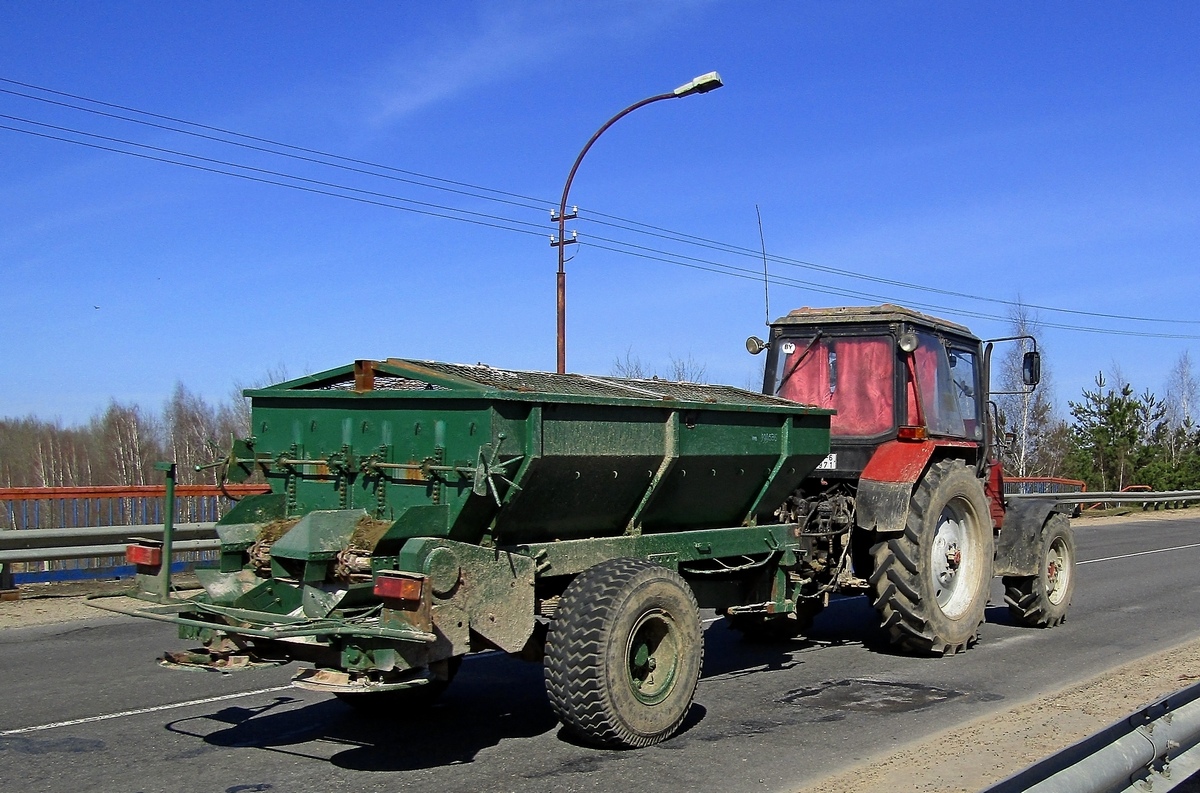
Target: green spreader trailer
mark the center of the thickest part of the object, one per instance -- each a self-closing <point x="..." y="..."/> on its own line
<point x="421" y="511"/>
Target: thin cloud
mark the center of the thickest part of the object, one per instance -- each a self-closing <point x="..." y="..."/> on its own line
<point x="438" y="70"/>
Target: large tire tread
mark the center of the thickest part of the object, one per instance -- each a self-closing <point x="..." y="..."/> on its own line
<point x="575" y="680"/>
<point x="897" y="578"/>
<point x="1027" y="596"/>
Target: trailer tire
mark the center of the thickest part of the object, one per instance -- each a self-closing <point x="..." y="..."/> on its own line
<point x="623" y="654"/>
<point x="400" y="700"/>
<point x="931" y="582"/>
<point x="1041" y="601"/>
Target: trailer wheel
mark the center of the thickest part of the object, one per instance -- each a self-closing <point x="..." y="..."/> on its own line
<point x="931" y="583"/>
<point x="623" y="654"/>
<point x="399" y="700"/>
<point x="1041" y="601"/>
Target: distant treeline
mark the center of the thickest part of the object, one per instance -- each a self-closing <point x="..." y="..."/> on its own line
<point x="1118" y="437"/>
<point x="120" y="444"/>
<point x="1115" y="436"/>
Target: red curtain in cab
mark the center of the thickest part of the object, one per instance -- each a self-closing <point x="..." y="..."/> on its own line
<point x="854" y="376"/>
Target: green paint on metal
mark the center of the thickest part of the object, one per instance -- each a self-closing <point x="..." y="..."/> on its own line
<point x="320" y="601"/>
<point x="255" y="509"/>
<point x="273" y="597"/>
<point x="489" y="488"/>
<point x="670" y="458"/>
<point x="575" y="556"/>
<point x="319" y="535"/>
<point x="494" y="588"/>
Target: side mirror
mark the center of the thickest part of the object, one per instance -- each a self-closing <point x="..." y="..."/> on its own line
<point x="1031" y="368"/>
<point x="755" y="345"/>
<point x="1010" y="440"/>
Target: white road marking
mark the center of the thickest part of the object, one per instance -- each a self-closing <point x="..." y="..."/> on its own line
<point x="714" y="619"/>
<point x="139" y="711"/>
<point x="1141" y="553"/>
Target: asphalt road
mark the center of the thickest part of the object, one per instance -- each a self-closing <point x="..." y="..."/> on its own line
<point x="766" y="718"/>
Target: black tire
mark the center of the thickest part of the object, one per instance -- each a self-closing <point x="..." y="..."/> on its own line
<point x="1041" y="601"/>
<point x="404" y="699"/>
<point x="931" y="583"/>
<point x="623" y="654"/>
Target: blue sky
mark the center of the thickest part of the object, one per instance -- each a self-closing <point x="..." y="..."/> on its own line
<point x="1042" y="152"/>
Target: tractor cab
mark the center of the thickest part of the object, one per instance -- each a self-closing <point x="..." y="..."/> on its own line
<point x="889" y="372"/>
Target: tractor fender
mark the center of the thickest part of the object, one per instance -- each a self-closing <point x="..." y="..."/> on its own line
<point x="886" y="484"/>
<point x="1018" y="550"/>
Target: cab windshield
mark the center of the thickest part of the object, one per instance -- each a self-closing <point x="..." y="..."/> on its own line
<point x="854" y="375"/>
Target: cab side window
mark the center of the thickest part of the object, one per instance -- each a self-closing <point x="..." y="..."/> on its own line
<point x="948" y="385"/>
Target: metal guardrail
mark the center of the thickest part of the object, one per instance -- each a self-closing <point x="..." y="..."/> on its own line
<point x="37" y="545"/>
<point x="80" y="532"/>
<point x="1042" y="484"/>
<point x="100" y="551"/>
<point x="1155" y="749"/>
<point x="1117" y="496"/>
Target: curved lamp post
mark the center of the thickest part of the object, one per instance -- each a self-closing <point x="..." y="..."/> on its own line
<point x="701" y="85"/>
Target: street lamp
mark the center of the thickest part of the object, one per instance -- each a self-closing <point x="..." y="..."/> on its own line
<point x="701" y="85"/>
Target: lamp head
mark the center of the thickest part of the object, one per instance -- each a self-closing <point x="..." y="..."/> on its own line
<point x="701" y="85"/>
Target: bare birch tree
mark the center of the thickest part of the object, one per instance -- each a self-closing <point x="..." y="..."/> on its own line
<point x="1029" y="415"/>
<point x="1180" y="404"/>
<point x="682" y="370"/>
<point x="129" y="438"/>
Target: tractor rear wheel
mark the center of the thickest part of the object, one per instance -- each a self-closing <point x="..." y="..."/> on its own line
<point x="1041" y="601"/>
<point x="931" y="582"/>
<point x="623" y="654"/>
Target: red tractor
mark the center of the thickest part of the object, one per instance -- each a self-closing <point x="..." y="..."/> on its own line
<point x="910" y="503"/>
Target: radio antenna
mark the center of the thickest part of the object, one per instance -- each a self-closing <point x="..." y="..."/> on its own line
<point x="766" y="280"/>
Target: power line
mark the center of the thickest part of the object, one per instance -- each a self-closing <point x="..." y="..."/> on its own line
<point x="753" y="275"/>
<point x="639" y="251"/>
<point x="269" y="172"/>
<point x="526" y="202"/>
<point x="529" y="202"/>
<point x="830" y="270"/>
<point x="262" y="180"/>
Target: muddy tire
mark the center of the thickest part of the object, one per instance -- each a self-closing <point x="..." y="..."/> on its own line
<point x="931" y="583"/>
<point x="623" y="654"/>
<point x="405" y="699"/>
<point x="1041" y="601"/>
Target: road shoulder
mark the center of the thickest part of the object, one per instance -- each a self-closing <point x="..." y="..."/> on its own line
<point x="970" y="756"/>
